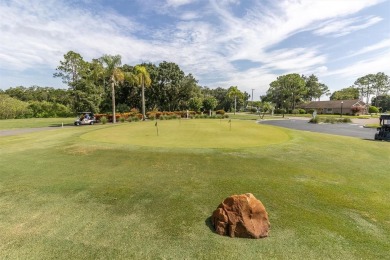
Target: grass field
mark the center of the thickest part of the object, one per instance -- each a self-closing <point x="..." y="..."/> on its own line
<point x="119" y="191"/>
<point x="34" y="122"/>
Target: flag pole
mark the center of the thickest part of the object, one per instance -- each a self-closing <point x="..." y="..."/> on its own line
<point x="156" y="127"/>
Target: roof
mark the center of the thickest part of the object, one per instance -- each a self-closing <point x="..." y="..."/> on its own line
<point x="333" y="104"/>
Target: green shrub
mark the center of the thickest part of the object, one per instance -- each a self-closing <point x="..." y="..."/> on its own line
<point x="295" y="111"/>
<point x="373" y="110"/>
<point x="330" y="120"/>
<point x="220" y="112"/>
<point x="280" y="111"/>
<point x="122" y="119"/>
<point x="346" y="120"/>
<point x="314" y="120"/>
<point x="302" y="111"/>
<point x="310" y="111"/>
<point x="103" y="120"/>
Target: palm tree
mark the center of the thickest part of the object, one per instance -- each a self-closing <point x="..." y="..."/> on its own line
<point x="235" y="92"/>
<point x="116" y="75"/>
<point x="143" y="79"/>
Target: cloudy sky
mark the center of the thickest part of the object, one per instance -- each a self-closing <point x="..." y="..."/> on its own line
<point x="221" y="42"/>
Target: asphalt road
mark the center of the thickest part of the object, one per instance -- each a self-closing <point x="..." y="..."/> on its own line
<point x="353" y="130"/>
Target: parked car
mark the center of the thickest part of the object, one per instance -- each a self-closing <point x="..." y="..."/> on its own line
<point x="85" y="118"/>
<point x="384" y="129"/>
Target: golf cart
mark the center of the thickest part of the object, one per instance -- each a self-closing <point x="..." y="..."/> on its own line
<point x="384" y="129"/>
<point x="85" y="118"/>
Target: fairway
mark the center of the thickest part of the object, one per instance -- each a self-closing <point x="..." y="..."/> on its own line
<point x="121" y="192"/>
<point x="204" y="133"/>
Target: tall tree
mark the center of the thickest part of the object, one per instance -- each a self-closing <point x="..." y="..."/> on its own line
<point x="365" y="86"/>
<point x="143" y="79"/>
<point x="382" y="102"/>
<point x="234" y="92"/>
<point x="111" y="65"/>
<point x="381" y="85"/>
<point x="70" y="68"/>
<point x="289" y="89"/>
<point x="314" y="88"/>
<point x="221" y="94"/>
<point x="345" y="94"/>
<point x="167" y="85"/>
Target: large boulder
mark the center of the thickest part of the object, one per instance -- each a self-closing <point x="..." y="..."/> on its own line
<point x="241" y="216"/>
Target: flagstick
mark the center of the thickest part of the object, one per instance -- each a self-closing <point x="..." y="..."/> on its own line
<point x="156" y="125"/>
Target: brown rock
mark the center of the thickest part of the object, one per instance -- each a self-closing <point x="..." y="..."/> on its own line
<point x="241" y="216"/>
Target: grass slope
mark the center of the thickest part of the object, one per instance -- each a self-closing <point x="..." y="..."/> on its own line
<point x="62" y="196"/>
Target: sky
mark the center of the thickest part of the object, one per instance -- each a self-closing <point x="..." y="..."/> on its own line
<point x="223" y="43"/>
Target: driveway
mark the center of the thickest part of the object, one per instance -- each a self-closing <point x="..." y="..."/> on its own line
<point x="351" y="129"/>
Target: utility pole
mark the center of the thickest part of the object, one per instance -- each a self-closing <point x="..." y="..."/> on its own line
<point x="252" y="97"/>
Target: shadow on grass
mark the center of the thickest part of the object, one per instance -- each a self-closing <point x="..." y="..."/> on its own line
<point x="209" y="224"/>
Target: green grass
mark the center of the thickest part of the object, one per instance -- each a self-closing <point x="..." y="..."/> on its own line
<point x="34" y="122"/>
<point x="191" y="134"/>
<point x="73" y="193"/>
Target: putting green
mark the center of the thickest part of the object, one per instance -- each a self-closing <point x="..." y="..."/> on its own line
<point x="198" y="133"/>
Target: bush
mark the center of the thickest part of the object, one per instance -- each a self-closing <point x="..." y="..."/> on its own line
<point x="122" y="119"/>
<point x="356" y="110"/>
<point x="330" y="120"/>
<point x="253" y="110"/>
<point x="220" y="112"/>
<point x="280" y="111"/>
<point x="310" y="111"/>
<point x="103" y="120"/>
<point x="295" y="111"/>
<point x="373" y="110"/>
<point x="13" y="108"/>
<point x="302" y="111"/>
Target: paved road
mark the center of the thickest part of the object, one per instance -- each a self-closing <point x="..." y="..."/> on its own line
<point x="353" y="130"/>
<point x="19" y="131"/>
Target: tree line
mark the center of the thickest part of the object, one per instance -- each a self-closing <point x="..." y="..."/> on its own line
<point x="287" y="91"/>
<point x="104" y="85"/>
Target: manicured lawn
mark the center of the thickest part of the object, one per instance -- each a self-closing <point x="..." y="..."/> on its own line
<point x="34" y="122"/>
<point x="95" y="192"/>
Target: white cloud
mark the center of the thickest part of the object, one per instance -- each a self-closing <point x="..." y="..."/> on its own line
<point x="346" y="26"/>
<point x="378" y="46"/>
<point x="38" y="34"/>
<point x="177" y="3"/>
<point x="373" y="64"/>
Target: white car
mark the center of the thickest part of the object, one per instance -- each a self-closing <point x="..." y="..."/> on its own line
<point x="85" y="118"/>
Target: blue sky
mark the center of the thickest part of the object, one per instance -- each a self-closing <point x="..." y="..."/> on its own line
<point x="222" y="43"/>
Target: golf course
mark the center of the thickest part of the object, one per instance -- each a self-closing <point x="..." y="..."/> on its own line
<point x="146" y="190"/>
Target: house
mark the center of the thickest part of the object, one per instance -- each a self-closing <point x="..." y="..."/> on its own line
<point x="345" y="107"/>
